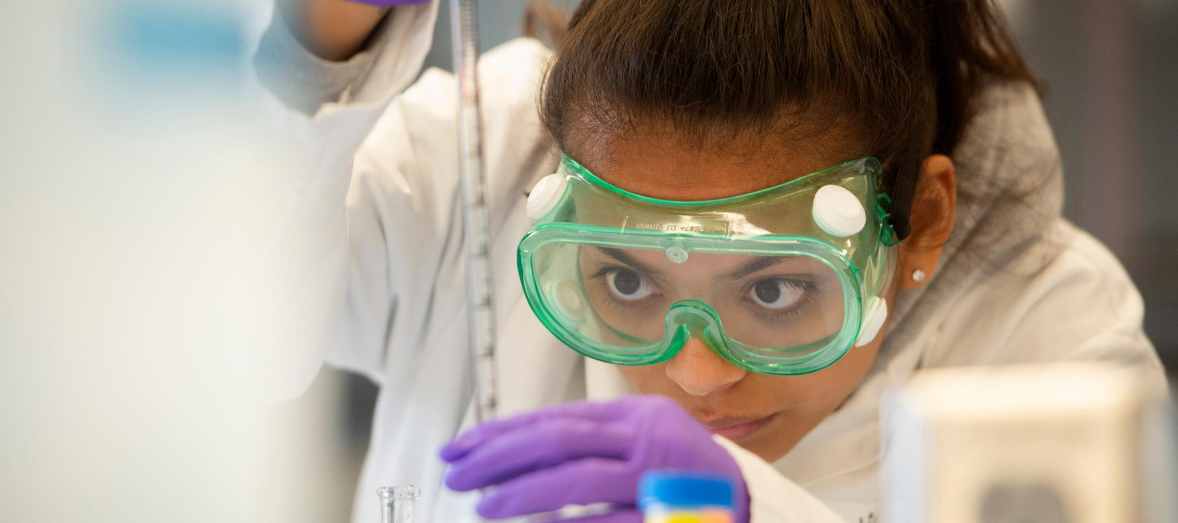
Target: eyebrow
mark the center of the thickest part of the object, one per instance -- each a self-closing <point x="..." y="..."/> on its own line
<point x="761" y="263"/>
<point x="621" y="256"/>
<point x="753" y="266"/>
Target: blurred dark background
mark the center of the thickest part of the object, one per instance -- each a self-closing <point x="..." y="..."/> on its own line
<point x="1111" y="72"/>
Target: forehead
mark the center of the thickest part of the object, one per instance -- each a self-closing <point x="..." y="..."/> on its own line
<point x="661" y="165"/>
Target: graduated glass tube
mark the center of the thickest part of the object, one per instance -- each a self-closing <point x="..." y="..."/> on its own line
<point x="398" y="504"/>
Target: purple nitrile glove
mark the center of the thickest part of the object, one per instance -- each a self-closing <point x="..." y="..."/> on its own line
<point x="584" y="453"/>
<point x="389" y="3"/>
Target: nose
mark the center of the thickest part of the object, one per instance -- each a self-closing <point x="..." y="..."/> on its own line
<point x="699" y="371"/>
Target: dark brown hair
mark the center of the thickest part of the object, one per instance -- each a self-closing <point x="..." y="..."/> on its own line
<point x="908" y="73"/>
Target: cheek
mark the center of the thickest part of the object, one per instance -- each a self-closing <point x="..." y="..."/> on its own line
<point x="649" y="379"/>
<point x="837" y="381"/>
<point x="819" y="393"/>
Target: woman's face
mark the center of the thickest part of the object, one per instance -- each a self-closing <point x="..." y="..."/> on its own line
<point x="765" y="414"/>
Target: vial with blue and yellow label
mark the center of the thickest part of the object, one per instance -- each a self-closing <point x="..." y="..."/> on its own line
<point x="667" y="496"/>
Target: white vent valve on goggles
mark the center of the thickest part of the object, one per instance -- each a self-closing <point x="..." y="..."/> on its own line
<point x="838" y="211"/>
<point x="545" y="195"/>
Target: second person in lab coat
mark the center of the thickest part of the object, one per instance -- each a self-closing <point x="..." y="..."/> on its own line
<point x="673" y="101"/>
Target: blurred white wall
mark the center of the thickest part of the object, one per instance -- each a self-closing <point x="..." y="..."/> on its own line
<point x="135" y="281"/>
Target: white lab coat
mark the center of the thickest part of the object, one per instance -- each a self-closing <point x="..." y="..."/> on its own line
<point x="384" y="293"/>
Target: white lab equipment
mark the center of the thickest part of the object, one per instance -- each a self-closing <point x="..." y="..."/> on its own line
<point x="398" y="504"/>
<point x="464" y="19"/>
<point x="1063" y="443"/>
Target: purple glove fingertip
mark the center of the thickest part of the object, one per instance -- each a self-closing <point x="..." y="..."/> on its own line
<point x="473" y="437"/>
<point x="459" y="448"/>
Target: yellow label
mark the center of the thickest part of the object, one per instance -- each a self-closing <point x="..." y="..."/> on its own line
<point x="706" y="516"/>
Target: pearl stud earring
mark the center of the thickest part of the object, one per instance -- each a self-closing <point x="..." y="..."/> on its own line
<point x="918" y="276"/>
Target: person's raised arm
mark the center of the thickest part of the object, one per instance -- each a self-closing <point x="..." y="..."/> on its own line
<point x="317" y="114"/>
<point x="335" y="30"/>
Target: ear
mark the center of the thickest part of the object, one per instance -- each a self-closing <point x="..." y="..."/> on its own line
<point x="934" y="207"/>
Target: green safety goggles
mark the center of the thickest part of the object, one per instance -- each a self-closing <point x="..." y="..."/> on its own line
<point x="781" y="281"/>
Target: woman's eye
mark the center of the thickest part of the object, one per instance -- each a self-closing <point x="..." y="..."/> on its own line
<point x="627" y="285"/>
<point x="777" y="294"/>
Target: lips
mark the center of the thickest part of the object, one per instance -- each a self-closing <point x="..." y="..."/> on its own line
<point x="736" y="429"/>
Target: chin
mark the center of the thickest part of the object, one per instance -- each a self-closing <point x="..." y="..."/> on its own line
<point x="777" y="439"/>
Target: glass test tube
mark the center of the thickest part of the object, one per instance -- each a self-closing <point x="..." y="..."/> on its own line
<point x="398" y="504"/>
